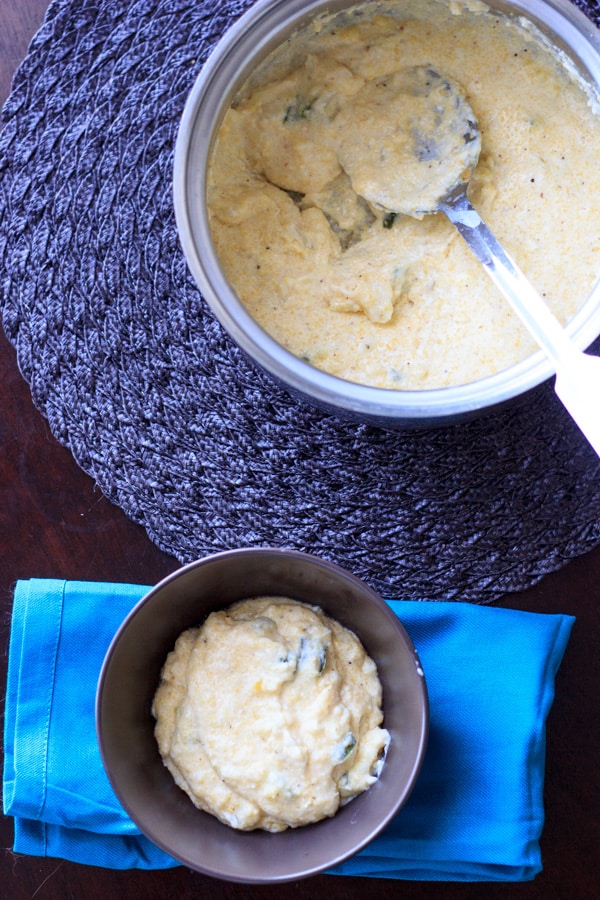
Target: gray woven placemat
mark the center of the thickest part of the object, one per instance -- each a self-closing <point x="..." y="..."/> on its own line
<point x="137" y="378"/>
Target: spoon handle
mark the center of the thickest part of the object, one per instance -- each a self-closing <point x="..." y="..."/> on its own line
<point x="577" y="374"/>
<point x="504" y="272"/>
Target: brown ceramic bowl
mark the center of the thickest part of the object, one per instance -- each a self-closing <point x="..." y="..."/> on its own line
<point x="130" y="676"/>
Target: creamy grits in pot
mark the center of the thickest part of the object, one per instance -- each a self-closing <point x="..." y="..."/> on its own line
<point x="396" y="299"/>
<point x="269" y="715"/>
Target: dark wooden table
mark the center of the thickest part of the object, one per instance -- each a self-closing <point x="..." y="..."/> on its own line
<point x="54" y="522"/>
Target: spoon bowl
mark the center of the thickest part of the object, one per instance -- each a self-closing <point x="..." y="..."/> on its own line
<point x="425" y="140"/>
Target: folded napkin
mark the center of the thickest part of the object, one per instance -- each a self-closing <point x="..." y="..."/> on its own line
<point x="476" y="813"/>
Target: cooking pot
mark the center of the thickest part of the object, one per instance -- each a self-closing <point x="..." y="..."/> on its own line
<point x="242" y="48"/>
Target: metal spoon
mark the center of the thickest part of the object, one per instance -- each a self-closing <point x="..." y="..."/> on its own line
<point x="423" y="117"/>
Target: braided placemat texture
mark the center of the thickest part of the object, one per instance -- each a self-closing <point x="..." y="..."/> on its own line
<point x="158" y="405"/>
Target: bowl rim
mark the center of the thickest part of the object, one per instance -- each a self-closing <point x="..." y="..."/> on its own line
<point x="300" y="871"/>
<point x="219" y="79"/>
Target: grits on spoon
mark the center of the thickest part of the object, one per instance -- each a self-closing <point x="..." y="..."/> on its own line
<point x="425" y="146"/>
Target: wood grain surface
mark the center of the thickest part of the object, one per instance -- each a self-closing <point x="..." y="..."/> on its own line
<point x="54" y="522"/>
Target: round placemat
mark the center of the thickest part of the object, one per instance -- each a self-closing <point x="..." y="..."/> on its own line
<point x="158" y="405"/>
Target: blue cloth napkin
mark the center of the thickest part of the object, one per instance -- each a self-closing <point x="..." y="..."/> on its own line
<point x="476" y="813"/>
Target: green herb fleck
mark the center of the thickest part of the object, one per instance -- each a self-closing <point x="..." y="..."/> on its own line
<point x="344" y="748"/>
<point x="312" y="655"/>
<point x="298" y="110"/>
<point x="322" y="659"/>
<point x="389" y="219"/>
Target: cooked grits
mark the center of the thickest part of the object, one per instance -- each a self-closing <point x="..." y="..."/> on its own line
<point x="269" y="715"/>
<point x="391" y="300"/>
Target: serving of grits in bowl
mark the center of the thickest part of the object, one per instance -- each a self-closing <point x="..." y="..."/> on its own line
<point x="386" y="316"/>
<point x="268" y="715"/>
<point x="262" y="715"/>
